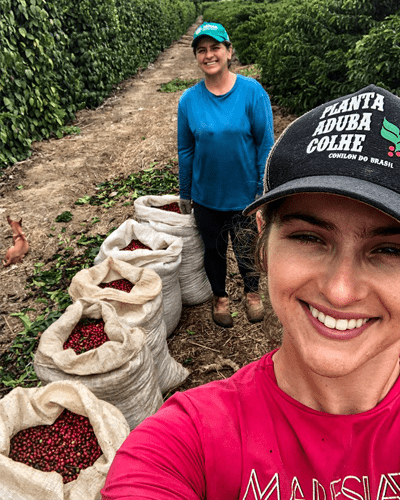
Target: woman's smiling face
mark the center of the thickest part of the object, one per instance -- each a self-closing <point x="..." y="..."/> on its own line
<point x="334" y="282"/>
<point x="212" y="56"/>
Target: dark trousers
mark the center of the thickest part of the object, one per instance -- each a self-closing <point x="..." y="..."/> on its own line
<point x="215" y="226"/>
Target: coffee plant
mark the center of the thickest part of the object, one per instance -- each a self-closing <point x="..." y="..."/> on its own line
<point x="234" y="16"/>
<point x="60" y="56"/>
<point x="30" y="106"/>
<point x="371" y="60"/>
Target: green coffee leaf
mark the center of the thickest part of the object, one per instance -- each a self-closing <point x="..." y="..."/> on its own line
<point x="64" y="217"/>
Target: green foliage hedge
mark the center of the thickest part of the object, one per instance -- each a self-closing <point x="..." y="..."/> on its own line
<point x="59" y="56"/>
<point x="311" y="51"/>
<point x="29" y="96"/>
<point x="374" y="57"/>
<point x="234" y="16"/>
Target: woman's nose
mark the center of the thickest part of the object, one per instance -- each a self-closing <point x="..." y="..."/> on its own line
<point x="344" y="283"/>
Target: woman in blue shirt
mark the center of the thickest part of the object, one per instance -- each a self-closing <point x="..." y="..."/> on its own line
<point x="225" y="133"/>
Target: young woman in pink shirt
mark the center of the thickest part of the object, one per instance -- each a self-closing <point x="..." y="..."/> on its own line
<point x="316" y="419"/>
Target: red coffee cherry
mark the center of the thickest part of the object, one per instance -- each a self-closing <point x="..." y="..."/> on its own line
<point x="135" y="244"/>
<point x="87" y="334"/>
<point x="67" y="446"/>
<point x="122" y="284"/>
<point x="171" y="207"/>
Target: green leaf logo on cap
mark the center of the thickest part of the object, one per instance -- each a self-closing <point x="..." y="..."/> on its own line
<point x="391" y="133"/>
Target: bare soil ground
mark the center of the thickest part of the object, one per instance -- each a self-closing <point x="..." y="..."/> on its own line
<point x="133" y="128"/>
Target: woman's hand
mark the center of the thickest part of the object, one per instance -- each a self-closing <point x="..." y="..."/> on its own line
<point x="185" y="206"/>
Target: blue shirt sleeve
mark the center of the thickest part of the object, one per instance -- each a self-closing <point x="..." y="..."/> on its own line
<point x="263" y="133"/>
<point x="186" y="147"/>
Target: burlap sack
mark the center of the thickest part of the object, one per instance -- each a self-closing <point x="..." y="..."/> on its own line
<point x="195" y="287"/>
<point x="135" y="306"/>
<point x="164" y="258"/>
<point x="120" y="371"/>
<point x="141" y="307"/>
<point x="24" y="408"/>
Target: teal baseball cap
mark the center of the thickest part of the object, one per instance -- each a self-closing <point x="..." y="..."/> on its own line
<point x="214" y="30"/>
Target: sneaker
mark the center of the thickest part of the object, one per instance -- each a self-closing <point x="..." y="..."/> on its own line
<point x="254" y="307"/>
<point x="220" y="312"/>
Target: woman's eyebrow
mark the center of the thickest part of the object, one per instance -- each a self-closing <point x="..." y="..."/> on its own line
<point x="215" y="44"/>
<point x="383" y="231"/>
<point x="316" y="221"/>
<point x="311" y="219"/>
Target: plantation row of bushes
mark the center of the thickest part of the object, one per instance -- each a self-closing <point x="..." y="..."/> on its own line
<point x="311" y="51"/>
<point x="59" y="56"/>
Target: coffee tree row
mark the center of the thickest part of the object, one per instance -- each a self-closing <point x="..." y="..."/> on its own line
<point x="59" y="56"/>
<point x="311" y="51"/>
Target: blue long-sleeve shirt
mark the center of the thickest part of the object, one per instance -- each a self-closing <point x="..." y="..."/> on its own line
<point x="223" y="144"/>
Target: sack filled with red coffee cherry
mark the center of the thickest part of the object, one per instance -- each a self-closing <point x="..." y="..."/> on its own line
<point x="159" y="213"/>
<point x="57" y="442"/>
<point x="136" y="294"/>
<point x="91" y="344"/>
<point x="141" y="246"/>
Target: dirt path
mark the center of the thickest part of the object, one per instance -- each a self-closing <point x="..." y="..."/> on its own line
<point x="134" y="128"/>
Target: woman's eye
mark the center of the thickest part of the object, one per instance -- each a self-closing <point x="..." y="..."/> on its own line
<point x="305" y="238"/>
<point x="392" y="251"/>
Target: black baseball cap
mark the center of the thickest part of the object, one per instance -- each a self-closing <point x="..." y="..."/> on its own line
<point x="349" y="146"/>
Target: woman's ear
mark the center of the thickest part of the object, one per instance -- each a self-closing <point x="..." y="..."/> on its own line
<point x="260" y="221"/>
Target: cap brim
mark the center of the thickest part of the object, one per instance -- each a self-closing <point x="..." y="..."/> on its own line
<point x="377" y="196"/>
<point x="219" y="39"/>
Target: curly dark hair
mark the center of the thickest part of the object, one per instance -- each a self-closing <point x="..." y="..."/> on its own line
<point x="270" y="215"/>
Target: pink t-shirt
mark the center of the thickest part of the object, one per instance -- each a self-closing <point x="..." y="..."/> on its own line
<point x="245" y="439"/>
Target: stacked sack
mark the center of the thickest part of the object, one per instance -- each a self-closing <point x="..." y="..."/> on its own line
<point x="141" y="307"/>
<point x="155" y="211"/>
<point x="119" y="371"/>
<point x="162" y="253"/>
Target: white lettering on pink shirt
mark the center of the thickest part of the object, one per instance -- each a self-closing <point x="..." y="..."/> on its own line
<point x="388" y="487"/>
<point x="253" y="491"/>
<point x="297" y="492"/>
<point x="351" y="487"/>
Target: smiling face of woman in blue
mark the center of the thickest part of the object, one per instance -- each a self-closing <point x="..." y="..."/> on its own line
<point x="213" y="57"/>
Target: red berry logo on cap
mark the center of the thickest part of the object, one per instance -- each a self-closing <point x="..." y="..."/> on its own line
<point x="391" y="133"/>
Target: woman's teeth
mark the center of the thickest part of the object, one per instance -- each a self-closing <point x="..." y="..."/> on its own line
<point x="337" y="324"/>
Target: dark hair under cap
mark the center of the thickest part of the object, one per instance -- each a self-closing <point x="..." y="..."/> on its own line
<point x="349" y="146"/>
